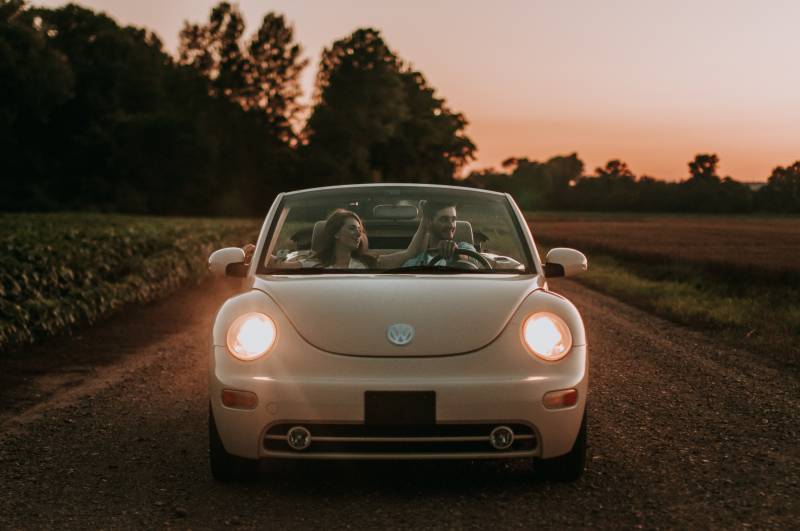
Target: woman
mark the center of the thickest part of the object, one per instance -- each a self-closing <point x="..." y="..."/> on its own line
<point x="344" y="244"/>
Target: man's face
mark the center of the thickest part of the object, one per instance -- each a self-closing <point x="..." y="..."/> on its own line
<point x="443" y="225"/>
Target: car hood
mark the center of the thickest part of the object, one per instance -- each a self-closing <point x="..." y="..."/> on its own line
<point x="351" y="314"/>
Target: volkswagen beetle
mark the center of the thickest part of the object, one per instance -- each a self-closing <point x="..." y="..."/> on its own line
<point x="397" y="321"/>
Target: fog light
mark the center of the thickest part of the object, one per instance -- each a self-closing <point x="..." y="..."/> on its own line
<point x="299" y="438"/>
<point x="502" y="437"/>
<point x="559" y="399"/>
<point x="239" y="399"/>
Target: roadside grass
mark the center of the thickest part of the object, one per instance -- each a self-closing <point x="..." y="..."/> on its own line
<point x="59" y="271"/>
<point x="762" y="319"/>
<point x="735" y="277"/>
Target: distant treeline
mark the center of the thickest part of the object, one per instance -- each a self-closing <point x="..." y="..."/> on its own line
<point x="560" y="183"/>
<point x="94" y="116"/>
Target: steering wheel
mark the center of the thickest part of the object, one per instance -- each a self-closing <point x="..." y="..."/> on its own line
<point x="465" y="265"/>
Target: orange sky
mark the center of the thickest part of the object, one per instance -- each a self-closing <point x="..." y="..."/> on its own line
<point x="649" y="82"/>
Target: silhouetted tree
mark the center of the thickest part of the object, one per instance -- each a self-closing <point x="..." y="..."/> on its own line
<point x="704" y="191"/>
<point x="100" y="118"/>
<point x="262" y="76"/>
<point x="214" y="50"/>
<point x="272" y="75"/>
<point x="704" y="168"/>
<point x="782" y="191"/>
<point x="375" y="119"/>
<point x="612" y="188"/>
<point x="35" y="80"/>
<point x="533" y="184"/>
<point x="615" y="171"/>
<point x="563" y="172"/>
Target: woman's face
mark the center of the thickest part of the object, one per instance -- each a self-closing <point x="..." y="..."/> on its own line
<point x="349" y="235"/>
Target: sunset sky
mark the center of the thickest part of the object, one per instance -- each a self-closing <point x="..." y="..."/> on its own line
<point x="651" y="83"/>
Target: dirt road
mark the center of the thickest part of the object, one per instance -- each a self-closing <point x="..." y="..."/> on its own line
<point x="683" y="433"/>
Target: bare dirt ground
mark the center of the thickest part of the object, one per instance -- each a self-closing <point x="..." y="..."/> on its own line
<point x="683" y="433"/>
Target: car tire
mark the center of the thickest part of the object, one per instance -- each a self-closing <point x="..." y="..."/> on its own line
<point x="224" y="466"/>
<point x="567" y="467"/>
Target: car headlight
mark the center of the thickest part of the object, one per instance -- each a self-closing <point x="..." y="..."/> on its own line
<point x="251" y="336"/>
<point x="547" y="336"/>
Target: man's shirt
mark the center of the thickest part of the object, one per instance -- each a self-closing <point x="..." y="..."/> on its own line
<point x="424" y="257"/>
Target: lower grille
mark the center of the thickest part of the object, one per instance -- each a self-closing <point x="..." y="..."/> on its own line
<point x="440" y="441"/>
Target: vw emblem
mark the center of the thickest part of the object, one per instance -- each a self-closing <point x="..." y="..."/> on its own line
<point x="400" y="334"/>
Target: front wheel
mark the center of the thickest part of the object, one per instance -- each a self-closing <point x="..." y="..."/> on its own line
<point x="224" y="466"/>
<point x="567" y="467"/>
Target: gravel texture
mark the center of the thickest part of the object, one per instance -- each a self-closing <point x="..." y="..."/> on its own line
<point x="683" y="433"/>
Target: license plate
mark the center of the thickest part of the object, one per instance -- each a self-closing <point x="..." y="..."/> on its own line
<point x="399" y="408"/>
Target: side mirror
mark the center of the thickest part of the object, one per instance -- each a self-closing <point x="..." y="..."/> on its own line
<point x="228" y="261"/>
<point x="563" y="262"/>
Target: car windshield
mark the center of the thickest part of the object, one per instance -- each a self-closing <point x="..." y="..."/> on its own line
<point x="403" y="229"/>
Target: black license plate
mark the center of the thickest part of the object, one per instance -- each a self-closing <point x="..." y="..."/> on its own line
<point x="399" y="408"/>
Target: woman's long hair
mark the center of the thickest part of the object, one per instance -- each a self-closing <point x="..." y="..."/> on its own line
<point x="324" y="252"/>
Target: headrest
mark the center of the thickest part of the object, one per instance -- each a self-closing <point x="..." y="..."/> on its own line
<point x="464" y="232"/>
<point x="316" y="236"/>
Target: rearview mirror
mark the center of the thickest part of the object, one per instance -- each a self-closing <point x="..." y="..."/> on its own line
<point x="564" y="262"/>
<point x="394" y="211"/>
<point x="228" y="261"/>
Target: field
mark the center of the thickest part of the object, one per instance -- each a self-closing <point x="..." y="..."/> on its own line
<point x="722" y="243"/>
<point x="59" y="271"/>
<point x="737" y="275"/>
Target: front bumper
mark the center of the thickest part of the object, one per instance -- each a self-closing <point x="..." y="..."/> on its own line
<point x="499" y="385"/>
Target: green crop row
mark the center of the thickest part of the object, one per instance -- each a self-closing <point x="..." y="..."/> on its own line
<point x="62" y="270"/>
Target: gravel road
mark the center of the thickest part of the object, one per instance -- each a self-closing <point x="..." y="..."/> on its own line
<point x="683" y="433"/>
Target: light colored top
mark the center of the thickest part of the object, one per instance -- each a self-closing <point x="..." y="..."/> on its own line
<point x="425" y="257"/>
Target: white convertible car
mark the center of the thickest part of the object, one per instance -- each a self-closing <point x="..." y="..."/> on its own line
<point x="394" y="321"/>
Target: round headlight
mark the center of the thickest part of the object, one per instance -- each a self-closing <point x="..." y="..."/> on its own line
<point x="547" y="336"/>
<point x="251" y="336"/>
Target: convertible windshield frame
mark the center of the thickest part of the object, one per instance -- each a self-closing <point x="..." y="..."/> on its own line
<point x="348" y="191"/>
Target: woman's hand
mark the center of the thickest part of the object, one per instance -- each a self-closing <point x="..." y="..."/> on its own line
<point x="249" y="251"/>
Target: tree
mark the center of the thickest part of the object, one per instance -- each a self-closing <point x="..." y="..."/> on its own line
<point x="214" y="50"/>
<point x="534" y="185"/>
<point x="376" y="119"/>
<point x="703" y="169"/>
<point x="98" y="117"/>
<point x="704" y="191"/>
<point x="35" y="80"/>
<point x="563" y="172"/>
<point x="615" y="171"/>
<point x="272" y="75"/>
<point x="613" y="188"/>
<point x="782" y="191"/>
<point x="263" y="77"/>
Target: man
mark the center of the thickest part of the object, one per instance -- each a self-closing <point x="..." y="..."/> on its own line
<point x="441" y="219"/>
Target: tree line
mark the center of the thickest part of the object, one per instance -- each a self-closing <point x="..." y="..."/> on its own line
<point x="95" y="116"/>
<point x="560" y="183"/>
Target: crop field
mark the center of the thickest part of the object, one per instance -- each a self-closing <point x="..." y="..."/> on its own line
<point x="58" y="271"/>
<point x="739" y="276"/>
<point x="721" y="243"/>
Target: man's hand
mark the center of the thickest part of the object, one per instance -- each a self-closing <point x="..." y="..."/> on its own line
<point x="447" y="249"/>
